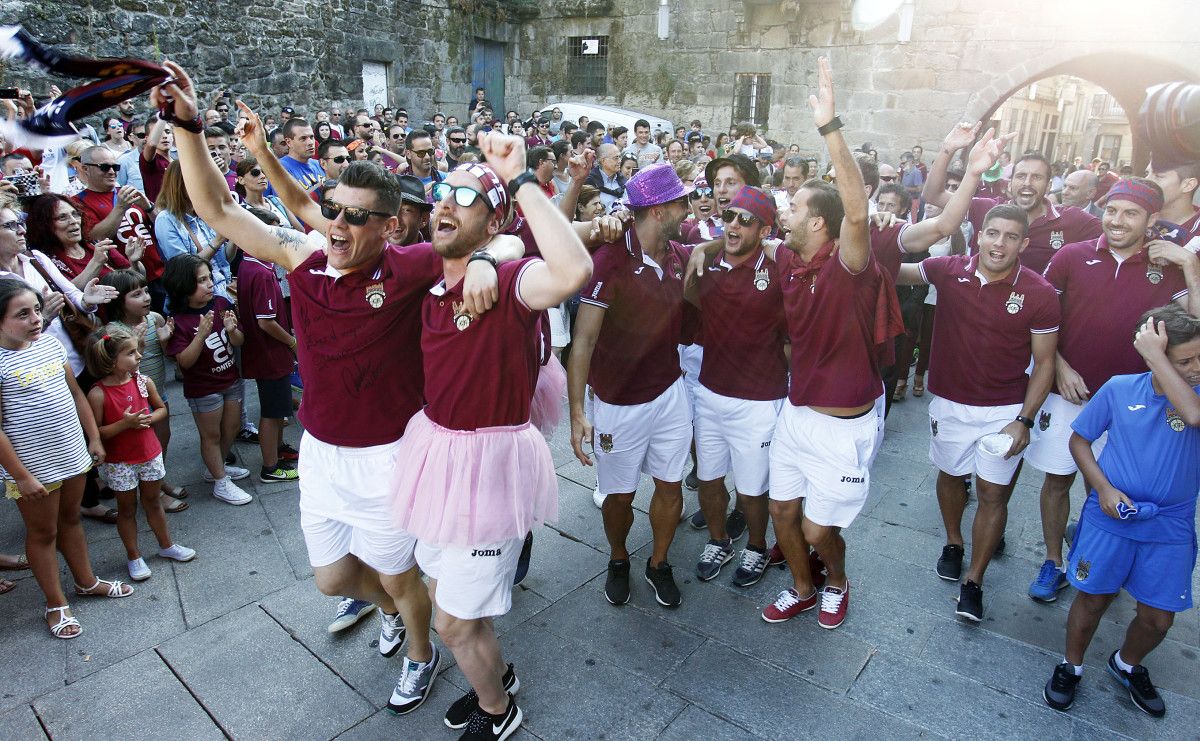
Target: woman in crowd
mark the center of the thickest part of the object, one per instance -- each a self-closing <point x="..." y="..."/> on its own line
<point x="114" y="136"/>
<point x="179" y="231"/>
<point x="251" y="186"/>
<point x="55" y="227"/>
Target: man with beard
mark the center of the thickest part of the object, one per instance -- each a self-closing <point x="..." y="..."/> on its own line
<point x="1127" y="274"/>
<point x="625" y="346"/>
<point x="725" y="176"/>
<point x="477" y="475"/>
<point x="362" y="386"/>
<point x="456" y="144"/>
<point x="1050" y="226"/>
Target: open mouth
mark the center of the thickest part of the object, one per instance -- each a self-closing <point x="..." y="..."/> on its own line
<point x="705" y="210"/>
<point x="445" y="227"/>
<point x="339" y="244"/>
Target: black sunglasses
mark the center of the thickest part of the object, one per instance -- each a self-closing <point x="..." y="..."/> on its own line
<point x="699" y="193"/>
<point x="340" y="159"/>
<point x="103" y="167"/>
<point x="397" y="136"/>
<point x="463" y="195"/>
<point x="729" y="216"/>
<point x="354" y="216"/>
<point x="888" y="178"/>
<point x="454" y="140"/>
<point x="136" y="135"/>
<point x="255" y="173"/>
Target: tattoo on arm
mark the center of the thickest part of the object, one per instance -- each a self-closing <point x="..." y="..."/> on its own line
<point x="289" y="239"/>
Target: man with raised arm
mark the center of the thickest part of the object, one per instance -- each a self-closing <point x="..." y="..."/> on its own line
<point x="356" y="307"/>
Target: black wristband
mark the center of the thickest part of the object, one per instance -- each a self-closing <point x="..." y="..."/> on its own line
<point x="482" y="254"/>
<point x="1025" y="421"/>
<point x="195" y="125"/>
<point x="515" y="184"/>
<point x="830" y="127"/>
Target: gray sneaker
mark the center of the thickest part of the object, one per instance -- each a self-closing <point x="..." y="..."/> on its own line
<point x="715" y="555"/>
<point x="391" y="633"/>
<point x="415" y="684"/>
<point x="750" y="571"/>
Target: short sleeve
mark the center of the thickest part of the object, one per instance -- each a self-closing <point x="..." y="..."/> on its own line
<point x="1048" y="316"/>
<point x="183" y="335"/>
<point x="1096" y="417"/>
<point x="255" y="290"/>
<point x="934" y="269"/>
<point x="1059" y="269"/>
<point x="601" y="289"/>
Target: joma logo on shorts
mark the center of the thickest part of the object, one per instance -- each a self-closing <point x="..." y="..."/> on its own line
<point x="853" y="479"/>
<point x="767" y="444"/>
<point x="486" y="552"/>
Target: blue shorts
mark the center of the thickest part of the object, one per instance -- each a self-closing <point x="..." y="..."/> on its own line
<point x="1155" y="574"/>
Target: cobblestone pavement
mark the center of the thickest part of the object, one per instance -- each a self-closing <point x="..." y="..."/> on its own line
<point x="234" y="644"/>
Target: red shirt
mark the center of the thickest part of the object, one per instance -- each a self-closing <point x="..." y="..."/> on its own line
<point x="130" y="446"/>
<point x="360" y="345"/>
<point x="215" y="369"/>
<point x="745" y="330"/>
<point x="480" y="372"/>
<point x="831" y="322"/>
<point x="260" y="297"/>
<point x="1102" y="300"/>
<point x="153" y="173"/>
<point x="96" y="207"/>
<point x="982" y="339"/>
<point x="636" y="357"/>
<point x="885" y="243"/>
<point x="72" y="267"/>
<point x="1059" y="225"/>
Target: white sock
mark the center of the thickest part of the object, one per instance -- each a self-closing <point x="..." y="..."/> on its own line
<point x="1077" y="669"/>
<point x="1121" y="663"/>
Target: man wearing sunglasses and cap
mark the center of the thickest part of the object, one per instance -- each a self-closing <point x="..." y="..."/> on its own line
<point x="414" y="213"/>
<point x="625" y="346"/>
<point x="742" y="381"/>
<point x="356" y="303"/>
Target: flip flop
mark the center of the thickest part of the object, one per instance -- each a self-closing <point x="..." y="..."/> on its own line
<point x="109" y="516"/>
<point x="20" y="563"/>
<point x="7" y="586"/>
<point x="178" y="506"/>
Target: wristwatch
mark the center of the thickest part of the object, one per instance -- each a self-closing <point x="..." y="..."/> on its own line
<point x="1025" y="421"/>
<point x="515" y="184"/>
<point x="483" y="254"/>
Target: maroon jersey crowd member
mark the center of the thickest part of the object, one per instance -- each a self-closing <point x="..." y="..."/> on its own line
<point x="1050" y="225"/>
<point x="1179" y="220"/>
<point x="625" y="347"/>
<point x="477" y="474"/>
<point x="1094" y="341"/>
<point x="356" y="307"/>
<point x="840" y="309"/>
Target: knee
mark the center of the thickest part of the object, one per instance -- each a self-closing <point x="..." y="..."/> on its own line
<point x="1158" y="621"/>
<point x="41" y="535"/>
<point x="783" y="511"/>
<point x="331" y="584"/>
<point x="816" y="535"/>
<point x="453" y="631"/>
<point x="128" y="513"/>
<point x="992" y="495"/>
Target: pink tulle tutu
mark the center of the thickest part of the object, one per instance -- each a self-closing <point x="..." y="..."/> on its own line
<point x="546" y="407"/>
<point x="468" y="488"/>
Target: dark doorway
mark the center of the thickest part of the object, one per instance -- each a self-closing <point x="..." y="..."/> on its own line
<point x="487" y="71"/>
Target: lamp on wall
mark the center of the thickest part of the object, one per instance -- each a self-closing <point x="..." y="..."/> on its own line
<point x="664" y="19"/>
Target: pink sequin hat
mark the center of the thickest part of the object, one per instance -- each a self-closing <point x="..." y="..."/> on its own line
<point x="654" y="185"/>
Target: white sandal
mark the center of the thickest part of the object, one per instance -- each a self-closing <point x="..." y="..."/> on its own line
<point x="64" y="621"/>
<point x="115" y="590"/>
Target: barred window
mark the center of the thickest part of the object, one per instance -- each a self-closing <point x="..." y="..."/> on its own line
<point x="752" y="99"/>
<point x="587" y="65"/>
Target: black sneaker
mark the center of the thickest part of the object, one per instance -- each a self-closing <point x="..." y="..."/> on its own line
<point x="230" y="459"/>
<point x="735" y="524"/>
<point x="970" y="602"/>
<point x="751" y="568"/>
<point x="1141" y="689"/>
<point x="663" y="584"/>
<point x="483" y="726"/>
<point x="1060" y="690"/>
<point x="999" y="548"/>
<point x="523" y="560"/>
<point x="697" y="520"/>
<point x="949" y="566"/>
<point x="460" y="712"/>
<point x="616" y="586"/>
<point x="247" y="436"/>
<point x="692" y="481"/>
<point x="716" y="554"/>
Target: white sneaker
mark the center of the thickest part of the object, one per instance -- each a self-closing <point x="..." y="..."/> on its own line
<point x="237" y="473"/>
<point x="597" y="497"/>
<point x="177" y="552"/>
<point x="138" y="570"/>
<point x="230" y="493"/>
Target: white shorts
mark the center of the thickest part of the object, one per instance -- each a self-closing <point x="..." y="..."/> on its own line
<point x="345" y="506"/>
<point x="474" y="582"/>
<point x="632" y="439"/>
<point x="560" y="325"/>
<point x="1050" y="449"/>
<point x="955" y="430"/>
<point x="691" y="357"/>
<point x="826" y="461"/>
<point x="125" y="476"/>
<point x="735" y="434"/>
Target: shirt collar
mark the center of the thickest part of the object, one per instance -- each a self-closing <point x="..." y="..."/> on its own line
<point x="758" y="262"/>
<point x="973" y="269"/>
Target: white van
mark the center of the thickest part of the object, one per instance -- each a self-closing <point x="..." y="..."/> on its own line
<point x="608" y="115"/>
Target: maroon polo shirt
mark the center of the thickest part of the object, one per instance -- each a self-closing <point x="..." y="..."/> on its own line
<point x="359" y="344"/>
<point x="831" y="322"/>
<point x="480" y="372"/>
<point x="1060" y="225"/>
<point x="636" y="357"/>
<point x="1102" y="300"/>
<point x="744" y="329"/>
<point x="214" y="369"/>
<point x="982" y="339"/>
<point x="260" y="297"/>
<point x="885" y="243"/>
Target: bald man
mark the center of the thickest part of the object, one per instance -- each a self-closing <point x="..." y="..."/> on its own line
<point x="606" y="176"/>
<point x="1079" y="189"/>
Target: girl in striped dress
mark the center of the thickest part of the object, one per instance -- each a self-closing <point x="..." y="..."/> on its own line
<point x="44" y="455"/>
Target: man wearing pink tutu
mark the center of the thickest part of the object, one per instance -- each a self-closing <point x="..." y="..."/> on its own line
<point x="356" y="307"/>
<point x="477" y="475"/>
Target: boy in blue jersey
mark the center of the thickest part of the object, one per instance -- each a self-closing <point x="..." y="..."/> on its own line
<point x="1137" y="528"/>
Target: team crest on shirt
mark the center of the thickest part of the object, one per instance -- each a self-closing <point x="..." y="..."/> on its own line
<point x="1015" y="302"/>
<point x="606" y="442"/>
<point x="462" y="317"/>
<point x="1082" y="569"/>
<point x="761" y="279"/>
<point x="1044" y="421"/>
<point x="1057" y="240"/>
<point x="375" y="295"/>
<point x="1154" y="273"/>
<point x="1175" y="421"/>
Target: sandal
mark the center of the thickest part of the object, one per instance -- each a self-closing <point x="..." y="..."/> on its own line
<point x="18" y="563"/>
<point x="175" y="505"/>
<point x="116" y="589"/>
<point x="64" y="621"/>
<point x="177" y="492"/>
<point x="109" y="516"/>
<point x="7" y="586"/>
<point x="901" y="390"/>
<point x="918" y="386"/>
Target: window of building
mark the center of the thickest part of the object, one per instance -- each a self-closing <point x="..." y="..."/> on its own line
<point x="1108" y="147"/>
<point x="587" y="65"/>
<point x="752" y="99"/>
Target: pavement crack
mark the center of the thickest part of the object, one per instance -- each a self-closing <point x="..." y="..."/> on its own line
<point x="296" y="637"/>
<point x="37" y="716"/>
<point x="179" y="677"/>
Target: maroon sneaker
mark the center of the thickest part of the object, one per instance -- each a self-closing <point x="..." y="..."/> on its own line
<point x="788" y="605"/>
<point x="834" y="603"/>
<point x="775" y="557"/>
<point x="816" y="568"/>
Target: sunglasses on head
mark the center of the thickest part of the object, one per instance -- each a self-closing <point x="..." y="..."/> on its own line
<point x="103" y="167"/>
<point x="699" y="193"/>
<point x="340" y="159"/>
<point x="353" y="215"/>
<point x="743" y="218"/>
<point x="463" y="195"/>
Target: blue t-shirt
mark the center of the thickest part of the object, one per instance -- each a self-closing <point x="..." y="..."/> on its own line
<point x="309" y="174"/>
<point x="1151" y="456"/>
